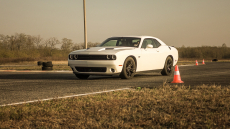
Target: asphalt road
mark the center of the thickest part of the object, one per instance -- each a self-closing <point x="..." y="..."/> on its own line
<point x="25" y="86"/>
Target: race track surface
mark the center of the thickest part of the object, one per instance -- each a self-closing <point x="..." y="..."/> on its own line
<point x="25" y="86"/>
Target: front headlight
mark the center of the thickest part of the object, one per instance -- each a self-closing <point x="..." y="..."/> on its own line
<point x="75" y="57"/>
<point x="114" y="57"/>
<point x="71" y="57"/>
<point x="111" y="57"/>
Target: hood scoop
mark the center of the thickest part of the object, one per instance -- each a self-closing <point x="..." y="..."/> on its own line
<point x="109" y="48"/>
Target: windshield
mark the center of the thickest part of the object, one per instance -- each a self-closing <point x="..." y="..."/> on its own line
<point x="121" y="41"/>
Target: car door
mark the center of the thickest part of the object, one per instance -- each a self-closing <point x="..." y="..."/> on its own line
<point x="149" y="56"/>
<point x="161" y="52"/>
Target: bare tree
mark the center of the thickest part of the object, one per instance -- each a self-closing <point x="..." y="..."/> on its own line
<point x="67" y="44"/>
<point x="76" y="46"/>
<point x="52" y="42"/>
<point x="29" y="42"/>
<point x="37" y="40"/>
<point x="224" y="45"/>
<point x="20" y="40"/>
<point x="50" y="45"/>
<point x="90" y="44"/>
<point x="3" y="43"/>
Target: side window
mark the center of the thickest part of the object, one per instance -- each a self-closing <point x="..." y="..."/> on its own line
<point x="156" y="43"/>
<point x="146" y="42"/>
<point x="123" y="43"/>
<point x="136" y="42"/>
<point x="119" y="43"/>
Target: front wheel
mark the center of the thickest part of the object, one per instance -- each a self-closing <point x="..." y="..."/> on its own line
<point x="129" y="69"/>
<point x="168" y="67"/>
<point x="82" y="76"/>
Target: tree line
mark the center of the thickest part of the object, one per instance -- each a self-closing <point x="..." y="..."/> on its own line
<point x="21" y="46"/>
<point x="205" y="52"/>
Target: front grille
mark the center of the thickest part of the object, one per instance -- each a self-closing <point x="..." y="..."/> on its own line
<point x="91" y="69"/>
<point x="92" y="57"/>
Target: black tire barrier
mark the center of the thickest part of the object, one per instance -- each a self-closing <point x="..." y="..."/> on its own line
<point x="47" y="68"/>
<point x="39" y="63"/>
<point x="47" y="64"/>
<point x="215" y="60"/>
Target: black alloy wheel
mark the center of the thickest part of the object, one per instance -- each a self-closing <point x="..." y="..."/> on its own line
<point x="168" y="67"/>
<point x="129" y="69"/>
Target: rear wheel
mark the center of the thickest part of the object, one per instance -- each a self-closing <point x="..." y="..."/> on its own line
<point x="168" y="67"/>
<point x="82" y="76"/>
<point x="129" y="69"/>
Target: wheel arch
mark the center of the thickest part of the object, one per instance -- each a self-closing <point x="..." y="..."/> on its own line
<point x="123" y="73"/>
<point x="134" y="58"/>
<point x="171" y="57"/>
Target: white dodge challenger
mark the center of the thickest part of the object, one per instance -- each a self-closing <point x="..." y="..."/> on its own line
<point x="124" y="56"/>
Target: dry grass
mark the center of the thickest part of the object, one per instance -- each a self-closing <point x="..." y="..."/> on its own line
<point x="35" y="63"/>
<point x="7" y="61"/>
<point x="32" y="65"/>
<point x="55" y="67"/>
<point x="161" y="107"/>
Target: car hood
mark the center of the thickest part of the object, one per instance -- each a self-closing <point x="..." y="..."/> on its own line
<point x="102" y="50"/>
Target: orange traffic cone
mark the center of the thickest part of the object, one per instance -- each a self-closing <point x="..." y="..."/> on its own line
<point x="203" y="62"/>
<point x="177" y="78"/>
<point x="196" y="62"/>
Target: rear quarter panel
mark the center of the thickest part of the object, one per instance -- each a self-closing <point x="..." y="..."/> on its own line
<point x="168" y="51"/>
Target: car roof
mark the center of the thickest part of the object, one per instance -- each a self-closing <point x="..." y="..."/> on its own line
<point x="134" y="36"/>
<point x="142" y="37"/>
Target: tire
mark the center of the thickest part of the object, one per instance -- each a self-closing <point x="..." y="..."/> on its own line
<point x="39" y="63"/>
<point x="168" y="67"/>
<point x="47" y="68"/>
<point x="215" y="60"/>
<point x="82" y="76"/>
<point x="129" y="69"/>
<point x="47" y="64"/>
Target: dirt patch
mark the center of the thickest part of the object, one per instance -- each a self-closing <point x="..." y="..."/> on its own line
<point x="60" y="62"/>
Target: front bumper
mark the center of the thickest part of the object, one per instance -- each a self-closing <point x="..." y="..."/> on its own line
<point x="111" y="66"/>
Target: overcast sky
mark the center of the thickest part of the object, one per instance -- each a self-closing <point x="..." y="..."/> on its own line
<point x="176" y="22"/>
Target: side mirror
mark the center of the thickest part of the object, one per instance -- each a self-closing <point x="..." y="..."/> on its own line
<point x="149" y="46"/>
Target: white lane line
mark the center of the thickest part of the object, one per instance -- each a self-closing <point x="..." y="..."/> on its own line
<point x="63" y="97"/>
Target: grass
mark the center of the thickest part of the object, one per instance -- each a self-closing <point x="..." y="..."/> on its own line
<point x="55" y="67"/>
<point x="32" y="65"/>
<point x="161" y="107"/>
<point x="4" y="61"/>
